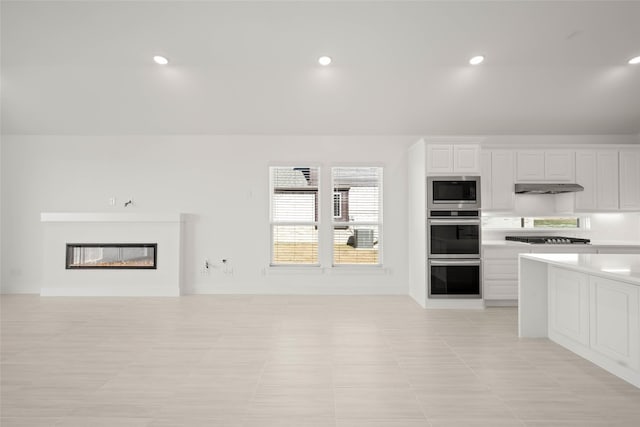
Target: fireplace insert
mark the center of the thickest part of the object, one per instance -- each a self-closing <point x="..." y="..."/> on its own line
<point x="111" y="255"/>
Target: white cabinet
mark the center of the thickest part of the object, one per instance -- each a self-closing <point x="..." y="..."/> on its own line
<point x="559" y="165"/>
<point x="545" y="165"/>
<point x="447" y="159"/>
<point x="614" y="324"/>
<point x="597" y="172"/>
<point x="439" y="158"/>
<point x="466" y="158"/>
<point x="530" y="165"/>
<point x="595" y="317"/>
<point x="630" y="180"/>
<point x="497" y="171"/>
<point x="486" y="183"/>
<point x="500" y="266"/>
<point x="500" y="272"/>
<point x="568" y="305"/>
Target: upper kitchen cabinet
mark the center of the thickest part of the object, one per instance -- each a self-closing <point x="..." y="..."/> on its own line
<point x="630" y="179"/>
<point x="545" y="165"/>
<point x="447" y="159"/>
<point x="497" y="171"/>
<point x="597" y="172"/>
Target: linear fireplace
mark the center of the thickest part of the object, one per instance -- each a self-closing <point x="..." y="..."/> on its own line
<point x="111" y="255"/>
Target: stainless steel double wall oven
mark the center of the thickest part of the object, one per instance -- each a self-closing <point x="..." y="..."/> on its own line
<point x="453" y="237"/>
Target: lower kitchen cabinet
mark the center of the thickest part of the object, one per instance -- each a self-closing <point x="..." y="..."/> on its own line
<point x="500" y="268"/>
<point x="568" y="305"/>
<point x="500" y="272"/>
<point x="614" y="321"/>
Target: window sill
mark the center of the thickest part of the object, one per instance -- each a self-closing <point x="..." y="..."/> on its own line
<point x="346" y="270"/>
<point x="275" y="270"/>
<point x="374" y="270"/>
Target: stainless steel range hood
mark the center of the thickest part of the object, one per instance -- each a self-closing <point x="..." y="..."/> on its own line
<point x="547" y="188"/>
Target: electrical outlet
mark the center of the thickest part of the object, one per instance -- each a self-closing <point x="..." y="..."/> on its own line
<point x="206" y="268"/>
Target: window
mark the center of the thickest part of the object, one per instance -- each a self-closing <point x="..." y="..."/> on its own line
<point x="357" y="230"/>
<point x="353" y="218"/>
<point x="530" y="223"/>
<point x="294" y="215"/>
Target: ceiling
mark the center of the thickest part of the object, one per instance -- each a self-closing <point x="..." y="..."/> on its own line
<point x="238" y="67"/>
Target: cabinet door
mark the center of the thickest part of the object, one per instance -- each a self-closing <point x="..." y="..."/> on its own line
<point x="439" y="158"/>
<point x="502" y="187"/>
<point x="597" y="172"/>
<point x="607" y="180"/>
<point x="568" y="305"/>
<point x="586" y="166"/>
<point x="614" y="320"/>
<point x="500" y="269"/>
<point x="559" y="165"/>
<point x="530" y="165"/>
<point x="485" y="180"/>
<point x="630" y="180"/>
<point x="466" y="159"/>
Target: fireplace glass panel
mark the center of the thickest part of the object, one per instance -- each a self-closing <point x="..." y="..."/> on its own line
<point x="112" y="255"/>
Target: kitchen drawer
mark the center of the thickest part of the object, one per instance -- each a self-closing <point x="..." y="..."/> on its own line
<point x="500" y="289"/>
<point x="501" y="269"/>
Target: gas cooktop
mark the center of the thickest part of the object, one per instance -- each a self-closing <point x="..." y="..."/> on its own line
<point x="548" y="240"/>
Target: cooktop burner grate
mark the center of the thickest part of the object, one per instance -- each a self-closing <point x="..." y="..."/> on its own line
<point x="548" y="240"/>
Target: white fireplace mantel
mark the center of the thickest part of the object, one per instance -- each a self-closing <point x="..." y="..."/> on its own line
<point x="109" y="217"/>
<point x="62" y="228"/>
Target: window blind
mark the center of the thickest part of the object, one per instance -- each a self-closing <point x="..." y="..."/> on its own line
<point x="357" y="229"/>
<point x="294" y="215"/>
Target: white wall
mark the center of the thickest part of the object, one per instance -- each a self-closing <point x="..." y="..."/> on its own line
<point x="220" y="182"/>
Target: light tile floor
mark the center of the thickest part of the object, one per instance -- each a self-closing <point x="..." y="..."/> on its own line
<point x="298" y="361"/>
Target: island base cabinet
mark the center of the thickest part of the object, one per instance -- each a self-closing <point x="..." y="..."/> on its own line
<point x="615" y="322"/>
<point x="568" y="305"/>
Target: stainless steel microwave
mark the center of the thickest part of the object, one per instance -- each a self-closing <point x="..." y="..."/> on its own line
<point x="453" y="192"/>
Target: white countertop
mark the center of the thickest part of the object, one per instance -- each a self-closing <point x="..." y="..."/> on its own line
<point x="623" y="267"/>
<point x="594" y="243"/>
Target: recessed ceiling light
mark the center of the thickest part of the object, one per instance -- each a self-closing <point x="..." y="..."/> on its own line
<point x="635" y="61"/>
<point x="160" y="60"/>
<point x="476" y="60"/>
<point x="324" y="60"/>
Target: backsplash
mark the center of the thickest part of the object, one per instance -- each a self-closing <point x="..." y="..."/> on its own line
<point x="599" y="226"/>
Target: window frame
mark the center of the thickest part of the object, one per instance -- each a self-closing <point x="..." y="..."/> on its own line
<point x="315" y="223"/>
<point x="325" y="223"/>
<point x="351" y="224"/>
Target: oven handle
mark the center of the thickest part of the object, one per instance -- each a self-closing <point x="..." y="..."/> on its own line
<point x="455" y="262"/>
<point x="457" y="220"/>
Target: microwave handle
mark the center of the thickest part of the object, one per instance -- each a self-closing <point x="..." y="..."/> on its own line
<point x="455" y="220"/>
<point x="455" y="262"/>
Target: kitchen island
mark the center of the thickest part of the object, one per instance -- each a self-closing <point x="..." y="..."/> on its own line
<point x="588" y="303"/>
